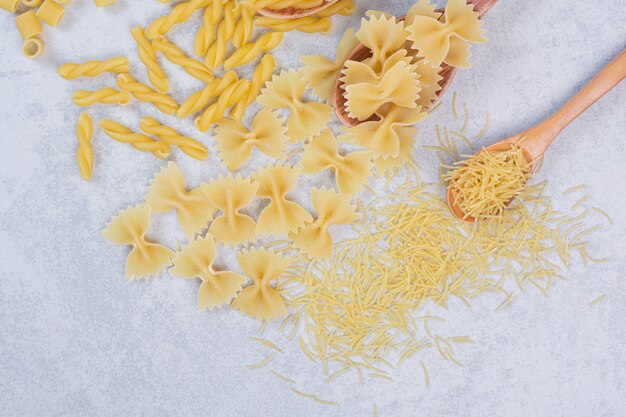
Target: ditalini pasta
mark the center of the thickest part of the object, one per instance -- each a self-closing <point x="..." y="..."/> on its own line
<point x="28" y="25"/>
<point x="31" y="3"/>
<point x="281" y="216"/>
<point x="351" y="171"/>
<point x="167" y="192"/>
<point x="104" y="96"/>
<point x="260" y="300"/>
<point x="332" y="209"/>
<point x="93" y="68"/>
<point x="50" y="12"/>
<point x="196" y="261"/>
<point x="142" y="92"/>
<point x="234" y="142"/>
<point x="175" y="55"/>
<point x="170" y="136"/>
<point x="33" y="47"/>
<point x="200" y="99"/>
<point x="9" y="5"/>
<point x="138" y="141"/>
<point x="321" y="73"/>
<point x="84" y="152"/>
<point x="147" y="55"/>
<point x="129" y="228"/>
<point x="447" y="41"/>
<point x="285" y="91"/>
<point x="230" y="195"/>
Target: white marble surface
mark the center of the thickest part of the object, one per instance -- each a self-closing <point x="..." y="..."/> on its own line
<point x="76" y="339"/>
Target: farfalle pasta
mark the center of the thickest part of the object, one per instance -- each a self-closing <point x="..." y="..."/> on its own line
<point x="285" y="91"/>
<point x="129" y="227"/>
<point x="196" y="261"/>
<point x="167" y="192"/>
<point x="320" y="73"/>
<point x="383" y="35"/>
<point x="230" y="195"/>
<point x="384" y="136"/>
<point x="351" y="171"/>
<point x="281" y="216"/>
<point x="234" y="142"/>
<point x="260" y="300"/>
<point x="448" y="40"/>
<point x="332" y="208"/>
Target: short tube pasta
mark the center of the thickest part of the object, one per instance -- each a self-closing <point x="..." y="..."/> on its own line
<point x="9" y="5"/>
<point x="33" y="47"/>
<point x="50" y="12"/>
<point x="28" y="25"/>
<point x="31" y="3"/>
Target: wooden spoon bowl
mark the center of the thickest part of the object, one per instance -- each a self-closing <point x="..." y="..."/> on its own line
<point x="294" y="13"/>
<point x="536" y="140"/>
<point x="362" y="52"/>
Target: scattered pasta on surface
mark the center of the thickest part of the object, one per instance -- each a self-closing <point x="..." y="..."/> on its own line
<point x="84" y="153"/>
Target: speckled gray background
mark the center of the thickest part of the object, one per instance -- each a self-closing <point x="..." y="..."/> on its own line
<point x="76" y="339"/>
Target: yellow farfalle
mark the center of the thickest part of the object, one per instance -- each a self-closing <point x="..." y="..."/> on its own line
<point x="351" y="171"/>
<point x="167" y="192"/>
<point x="421" y="8"/>
<point x="285" y="91"/>
<point x="321" y="73"/>
<point x="281" y="216"/>
<point x="260" y="300"/>
<point x="235" y="142"/>
<point x="129" y="228"/>
<point x="399" y="86"/>
<point x="447" y="41"/>
<point x="356" y="72"/>
<point x="332" y="209"/>
<point x="384" y="35"/>
<point x="231" y="194"/>
<point x="429" y="84"/>
<point x="196" y="261"/>
<point x="383" y="136"/>
<point x="385" y="165"/>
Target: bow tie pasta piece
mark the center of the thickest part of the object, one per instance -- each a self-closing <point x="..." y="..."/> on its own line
<point x="281" y="216"/>
<point x="429" y="84"/>
<point x="386" y="165"/>
<point x="383" y="35"/>
<point x="260" y="300"/>
<point x="285" y="91"/>
<point x="351" y="171"/>
<point x="447" y="41"/>
<point x="196" y="261"/>
<point x="400" y="86"/>
<point x="421" y="8"/>
<point x="129" y="228"/>
<point x="383" y="136"/>
<point x="167" y="192"/>
<point x="231" y="194"/>
<point x="356" y="72"/>
<point x="235" y="142"/>
<point x="321" y="73"/>
<point x="332" y="209"/>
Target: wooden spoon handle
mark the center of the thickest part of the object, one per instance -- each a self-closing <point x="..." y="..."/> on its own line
<point x="482" y="6"/>
<point x="544" y="133"/>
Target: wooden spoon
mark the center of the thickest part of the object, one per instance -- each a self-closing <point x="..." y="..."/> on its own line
<point x="362" y="52"/>
<point x="294" y="13"/>
<point x="536" y="140"/>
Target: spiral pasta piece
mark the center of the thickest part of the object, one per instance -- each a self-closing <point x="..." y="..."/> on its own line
<point x="170" y="136"/>
<point x="84" y="153"/>
<point x="200" y="99"/>
<point x="249" y="51"/>
<point x="244" y="26"/>
<point x="217" y="51"/>
<point x="180" y="13"/>
<point x="262" y="73"/>
<point x="139" y="141"/>
<point x="103" y="95"/>
<point x="93" y="68"/>
<point x="215" y="112"/>
<point x="176" y="56"/>
<point x="143" y="92"/>
<point x="307" y="24"/>
<point x="206" y="33"/>
<point x="147" y="55"/>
